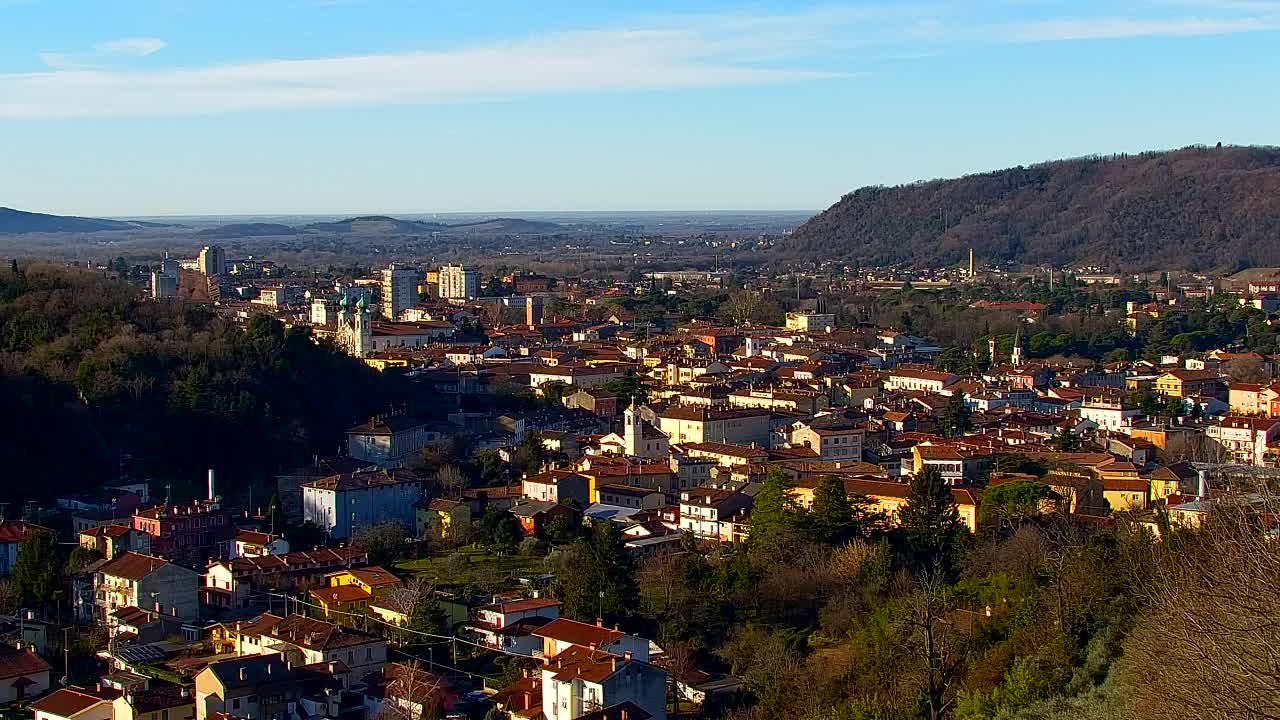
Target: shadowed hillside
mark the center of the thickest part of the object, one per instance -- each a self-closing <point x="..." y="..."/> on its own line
<point x="1196" y="208"/>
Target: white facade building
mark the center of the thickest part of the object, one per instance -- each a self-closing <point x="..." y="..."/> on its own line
<point x="458" y="283"/>
<point x="399" y="290"/>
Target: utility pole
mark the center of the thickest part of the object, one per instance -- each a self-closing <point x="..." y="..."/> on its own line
<point x="66" y="657"/>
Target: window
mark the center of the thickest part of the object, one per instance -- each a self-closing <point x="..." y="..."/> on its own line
<point x="235" y="704"/>
<point x="253" y="699"/>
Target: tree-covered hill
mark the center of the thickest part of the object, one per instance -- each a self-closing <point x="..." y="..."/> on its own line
<point x="91" y="373"/>
<point x="1196" y="208"/>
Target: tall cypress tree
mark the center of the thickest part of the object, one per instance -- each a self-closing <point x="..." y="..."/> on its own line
<point x="773" y="508"/>
<point x="831" y="516"/>
<point x="930" y="519"/>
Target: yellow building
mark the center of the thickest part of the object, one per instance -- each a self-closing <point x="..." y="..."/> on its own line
<point x="1187" y="383"/>
<point x="348" y="593"/>
<point x="441" y="518"/>
<point x="889" y="497"/>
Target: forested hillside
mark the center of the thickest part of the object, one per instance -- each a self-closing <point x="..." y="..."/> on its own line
<point x="90" y="373"/>
<point x="1195" y="209"/>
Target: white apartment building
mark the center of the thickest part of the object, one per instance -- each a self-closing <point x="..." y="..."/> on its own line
<point x="399" y="290"/>
<point x="810" y="322"/>
<point x="458" y="283"/>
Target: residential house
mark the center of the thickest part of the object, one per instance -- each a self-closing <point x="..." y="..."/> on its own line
<point x="1110" y="409"/>
<point x="23" y="675"/>
<point x="388" y="440"/>
<point x="578" y="374"/>
<point x="12" y="534"/>
<point x="508" y="626"/>
<point x="595" y="400"/>
<point x="563" y="633"/>
<point x="347" y="593"/>
<point x="741" y="426"/>
<point x="831" y="438"/>
<point x="1175" y="479"/>
<point x="556" y="486"/>
<point x="72" y="704"/>
<point x="259" y="687"/>
<point x="342" y="505"/>
<point x="289" y="483"/>
<point x="188" y="532"/>
<point x="711" y="513"/>
<point x="164" y="702"/>
<point x="303" y="641"/>
<point x="889" y="497"/>
<point x="1188" y="383"/>
<point x="926" y="380"/>
<point x="583" y="681"/>
<point x="409" y="691"/>
<point x="145" y="581"/>
<point x="242" y="582"/>
<point x="536" y="515"/>
<point x="114" y="540"/>
<point x="629" y="496"/>
<point x="1244" y="439"/>
<point x="443" y="518"/>
<point x="250" y="543"/>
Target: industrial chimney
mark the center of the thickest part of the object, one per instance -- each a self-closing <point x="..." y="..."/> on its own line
<point x="212" y="495"/>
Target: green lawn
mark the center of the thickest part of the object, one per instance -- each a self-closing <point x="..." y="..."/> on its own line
<point x="483" y="569"/>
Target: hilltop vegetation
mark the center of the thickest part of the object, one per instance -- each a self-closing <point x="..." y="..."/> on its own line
<point x="90" y="374"/>
<point x="1194" y="209"/>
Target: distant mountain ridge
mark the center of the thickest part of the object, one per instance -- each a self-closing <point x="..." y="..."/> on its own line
<point x="1197" y="208"/>
<point x="235" y="230"/>
<point x="381" y="224"/>
<point x="17" y="222"/>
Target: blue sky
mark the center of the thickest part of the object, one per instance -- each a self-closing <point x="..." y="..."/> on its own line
<point x="147" y="107"/>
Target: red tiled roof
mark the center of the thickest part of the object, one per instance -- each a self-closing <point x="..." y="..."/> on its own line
<point x="15" y="531"/>
<point x="133" y="566"/>
<point x="15" y="662"/>
<point x="577" y="633"/>
<point x="341" y="594"/>
<point x="65" y="703"/>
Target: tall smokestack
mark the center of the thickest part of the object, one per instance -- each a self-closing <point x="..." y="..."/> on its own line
<point x="212" y="495"/>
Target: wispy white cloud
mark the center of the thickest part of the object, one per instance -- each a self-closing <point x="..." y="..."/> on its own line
<point x="1105" y="28"/>
<point x="102" y="53"/>
<point x="555" y="64"/>
<point x="136" y="46"/>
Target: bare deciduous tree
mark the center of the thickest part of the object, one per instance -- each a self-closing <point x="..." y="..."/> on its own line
<point x="412" y="693"/>
<point x="1209" y="646"/>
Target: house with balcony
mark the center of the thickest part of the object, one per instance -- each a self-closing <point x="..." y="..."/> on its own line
<point x="509" y="626"/>
<point x="583" y="681"/>
<point x="713" y="513"/>
<point x="144" y="581"/>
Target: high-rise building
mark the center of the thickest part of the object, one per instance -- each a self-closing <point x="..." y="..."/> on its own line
<point x="163" y="285"/>
<point x="399" y="290"/>
<point x="213" y="261"/>
<point x="458" y="283"/>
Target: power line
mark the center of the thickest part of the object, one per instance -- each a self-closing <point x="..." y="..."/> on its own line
<point x="451" y="638"/>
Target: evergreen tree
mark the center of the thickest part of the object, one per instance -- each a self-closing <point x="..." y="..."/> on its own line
<point x="773" y="508"/>
<point x="955" y="417"/>
<point x="603" y="583"/>
<point x="38" y="569"/>
<point x="831" y="516"/>
<point x="426" y="615"/>
<point x="930" y="519"/>
<point x="1066" y="441"/>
